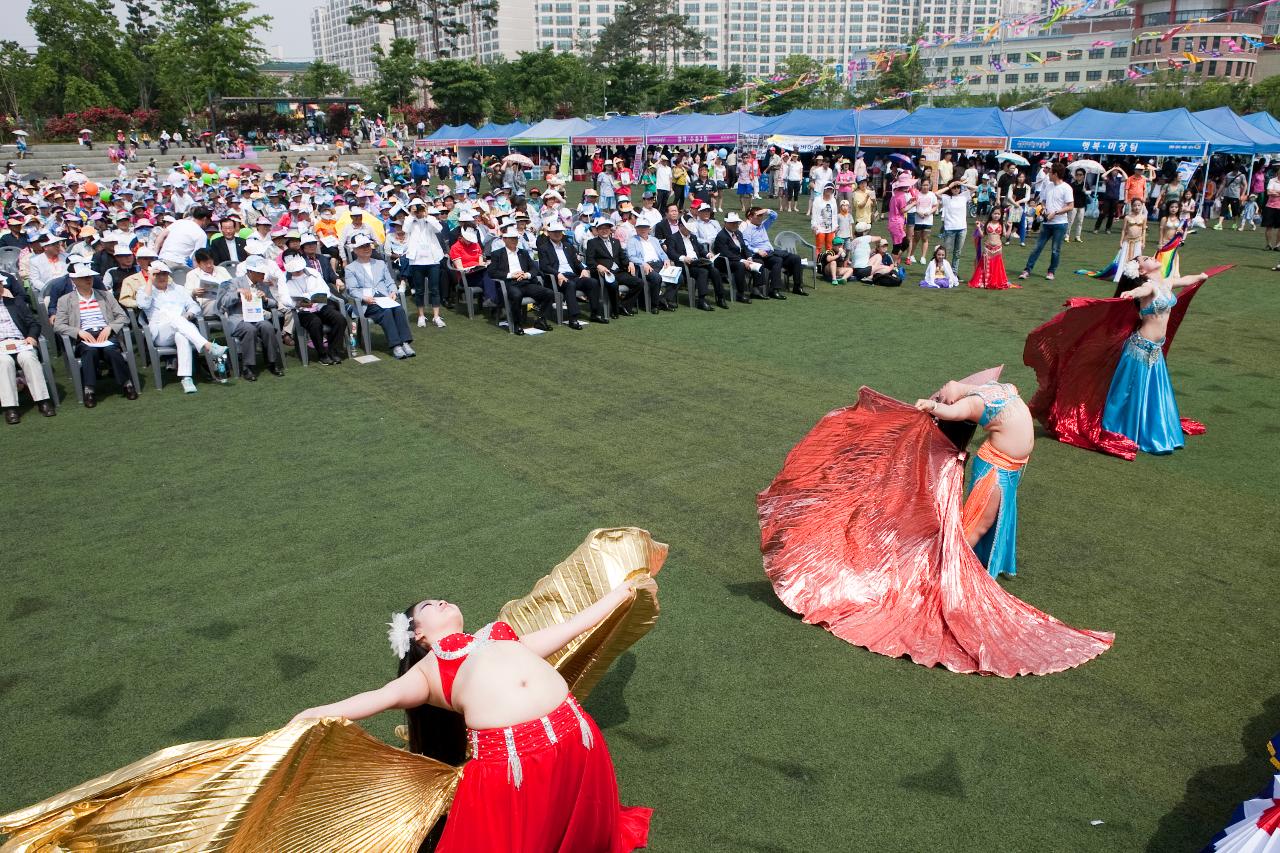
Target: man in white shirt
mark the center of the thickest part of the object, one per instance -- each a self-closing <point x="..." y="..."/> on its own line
<point x="357" y="227"/>
<point x="170" y="310"/>
<point x="51" y="263"/>
<point x="648" y="212"/>
<point x="705" y="227"/>
<point x="204" y="281"/>
<point x="663" y="186"/>
<point x="819" y="176"/>
<point x="512" y="268"/>
<point x="1058" y="201"/>
<point x="181" y="200"/>
<point x="186" y="235"/>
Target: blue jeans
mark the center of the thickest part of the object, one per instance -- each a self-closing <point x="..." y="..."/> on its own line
<point x="1055" y="232"/>
<point x="393" y="321"/>
<point x="424" y="282"/>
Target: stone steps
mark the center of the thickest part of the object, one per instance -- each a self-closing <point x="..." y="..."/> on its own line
<point x="49" y="158"/>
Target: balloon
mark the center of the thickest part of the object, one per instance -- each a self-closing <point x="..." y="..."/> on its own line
<point x="208" y="179"/>
<point x="189" y="166"/>
<point x="91" y="188"/>
<point x="235" y="173"/>
<point x="105" y="195"/>
<point x="209" y="168"/>
<point x="233" y="183"/>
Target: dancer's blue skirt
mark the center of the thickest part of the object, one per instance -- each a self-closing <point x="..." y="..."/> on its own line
<point x="1140" y="403"/>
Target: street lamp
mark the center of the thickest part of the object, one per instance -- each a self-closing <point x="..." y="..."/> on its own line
<point x="607" y="84"/>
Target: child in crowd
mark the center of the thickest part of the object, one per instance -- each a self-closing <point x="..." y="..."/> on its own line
<point x="1249" y="216"/>
<point x="939" y="274"/>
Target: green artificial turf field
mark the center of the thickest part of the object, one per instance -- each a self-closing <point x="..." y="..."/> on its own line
<point x="183" y="568"/>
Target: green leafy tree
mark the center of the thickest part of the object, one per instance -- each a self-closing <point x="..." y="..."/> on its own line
<point x="1266" y="96"/>
<point x="692" y="82"/>
<point x="461" y="91"/>
<point x="141" y="30"/>
<point x="629" y="85"/>
<point x="208" y="49"/>
<point x="17" y="70"/>
<point x="655" y="29"/>
<point x="319" y="80"/>
<point x="80" y="43"/>
<point x="399" y="73"/>
<point x="539" y="84"/>
<point x="826" y="92"/>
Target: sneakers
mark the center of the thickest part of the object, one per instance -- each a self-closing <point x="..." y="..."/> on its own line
<point x="1049" y="276"/>
<point x="1024" y="274"/>
<point x="398" y="351"/>
<point x="1079" y="239"/>
<point x="438" y="321"/>
<point x="188" y="385"/>
<point x="911" y="259"/>
<point x="422" y="322"/>
<point x="218" y="350"/>
<point x="408" y="351"/>
<point x="1218" y="227"/>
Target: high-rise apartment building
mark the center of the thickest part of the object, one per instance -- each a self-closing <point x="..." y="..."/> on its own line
<point x="351" y="47"/>
<point x="757" y="35"/>
<point x="348" y="47"/>
<point x="514" y="30"/>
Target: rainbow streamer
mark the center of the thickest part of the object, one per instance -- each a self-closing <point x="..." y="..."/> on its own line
<point x="1170" y="250"/>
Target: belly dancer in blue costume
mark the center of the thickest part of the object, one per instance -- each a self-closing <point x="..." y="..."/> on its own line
<point x="1140" y="403"/>
<point x="990" y="514"/>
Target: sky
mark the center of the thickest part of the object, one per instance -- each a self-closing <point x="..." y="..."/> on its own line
<point x="290" y="27"/>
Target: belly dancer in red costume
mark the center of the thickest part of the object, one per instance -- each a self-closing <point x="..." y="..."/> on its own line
<point x="540" y="779"/>
<point x="865" y="534"/>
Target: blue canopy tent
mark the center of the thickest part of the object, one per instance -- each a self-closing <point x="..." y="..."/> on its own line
<point x="1254" y="140"/>
<point x="805" y="130"/>
<point x="1022" y="122"/>
<point x="698" y="129"/>
<point x="448" y="134"/>
<point x="801" y="129"/>
<point x="980" y="128"/>
<point x="622" y="130"/>
<point x="1169" y="133"/>
<point x="1264" y="122"/>
<point x="442" y="133"/>
<point x="491" y="135"/>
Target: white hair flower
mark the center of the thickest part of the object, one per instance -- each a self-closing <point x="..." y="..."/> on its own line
<point x="1130" y="269"/>
<point x="400" y="634"/>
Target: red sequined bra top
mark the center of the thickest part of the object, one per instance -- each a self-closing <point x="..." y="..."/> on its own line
<point x="451" y="652"/>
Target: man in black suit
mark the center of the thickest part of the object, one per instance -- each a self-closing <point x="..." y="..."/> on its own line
<point x="731" y="246"/>
<point x="227" y="246"/>
<point x="512" y="268"/>
<point x="607" y="257"/>
<point x="557" y="258"/>
<point x="664" y="229"/>
<point x="685" y="247"/>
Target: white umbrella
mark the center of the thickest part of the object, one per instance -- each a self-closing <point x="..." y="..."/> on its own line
<point x="1010" y="157"/>
<point x="85" y="130"/>
<point x="1089" y="166"/>
<point x="19" y="133"/>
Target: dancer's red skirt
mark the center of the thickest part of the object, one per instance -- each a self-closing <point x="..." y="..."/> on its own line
<point x="536" y="788"/>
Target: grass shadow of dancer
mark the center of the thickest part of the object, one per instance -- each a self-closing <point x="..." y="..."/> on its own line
<point x="1214" y="791"/>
